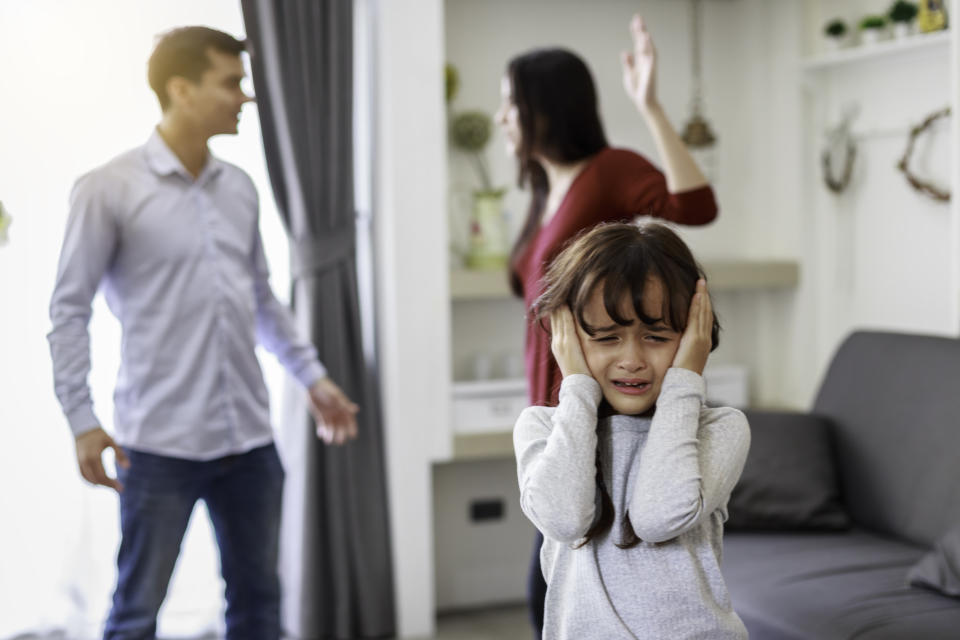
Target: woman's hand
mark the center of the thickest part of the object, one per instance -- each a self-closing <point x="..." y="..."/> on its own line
<point x="640" y="66"/>
<point x="696" y="340"/>
<point x="565" y="343"/>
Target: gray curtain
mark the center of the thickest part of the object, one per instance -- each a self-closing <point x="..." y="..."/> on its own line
<point x="335" y="546"/>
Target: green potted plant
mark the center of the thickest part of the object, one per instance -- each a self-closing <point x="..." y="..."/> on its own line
<point x="836" y="33"/>
<point x="872" y="28"/>
<point x="470" y="132"/>
<point x="902" y="14"/>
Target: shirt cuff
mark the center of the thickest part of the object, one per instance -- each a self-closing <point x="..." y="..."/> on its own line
<point x="82" y="419"/>
<point x="309" y="375"/>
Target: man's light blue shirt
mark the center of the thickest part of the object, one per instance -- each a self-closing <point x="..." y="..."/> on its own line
<point x="181" y="265"/>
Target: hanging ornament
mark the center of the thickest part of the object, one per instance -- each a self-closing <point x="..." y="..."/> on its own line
<point x="697" y="134"/>
<point x="840" y="139"/>
<point x="923" y="186"/>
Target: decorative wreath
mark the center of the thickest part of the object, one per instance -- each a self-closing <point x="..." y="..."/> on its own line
<point x="840" y="136"/>
<point x="921" y="185"/>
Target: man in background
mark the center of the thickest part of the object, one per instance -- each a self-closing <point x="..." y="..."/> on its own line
<point x="171" y="235"/>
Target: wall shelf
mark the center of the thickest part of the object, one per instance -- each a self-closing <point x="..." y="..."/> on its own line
<point x="724" y="275"/>
<point x="886" y="48"/>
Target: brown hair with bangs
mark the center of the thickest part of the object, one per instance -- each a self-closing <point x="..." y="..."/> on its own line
<point x="623" y="259"/>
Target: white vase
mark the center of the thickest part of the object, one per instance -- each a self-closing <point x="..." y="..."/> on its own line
<point x="488" y="238"/>
<point x="835" y="43"/>
<point x="870" y="36"/>
<point x="902" y="29"/>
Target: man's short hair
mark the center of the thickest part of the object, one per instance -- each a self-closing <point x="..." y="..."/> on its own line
<point x="183" y="52"/>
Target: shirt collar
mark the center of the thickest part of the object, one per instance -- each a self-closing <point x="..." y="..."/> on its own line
<point x="163" y="161"/>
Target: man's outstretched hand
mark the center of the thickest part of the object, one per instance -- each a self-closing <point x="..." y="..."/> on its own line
<point x="335" y="413"/>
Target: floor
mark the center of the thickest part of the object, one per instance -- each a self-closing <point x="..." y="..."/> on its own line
<point x="504" y="623"/>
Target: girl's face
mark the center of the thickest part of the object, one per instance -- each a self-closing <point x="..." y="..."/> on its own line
<point x="629" y="361"/>
<point x="508" y="117"/>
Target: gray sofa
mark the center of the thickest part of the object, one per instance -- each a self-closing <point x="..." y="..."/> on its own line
<point x="837" y="506"/>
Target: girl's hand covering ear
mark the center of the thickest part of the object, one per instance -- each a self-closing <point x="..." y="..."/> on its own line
<point x="565" y="343"/>
<point x="695" y="342"/>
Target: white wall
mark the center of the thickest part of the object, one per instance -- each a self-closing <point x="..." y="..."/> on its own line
<point x="751" y="96"/>
<point x="880" y="255"/>
<point x="74" y="94"/>
<point x="413" y="310"/>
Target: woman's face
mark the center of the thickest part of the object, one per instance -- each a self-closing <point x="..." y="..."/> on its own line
<point x="508" y="117"/>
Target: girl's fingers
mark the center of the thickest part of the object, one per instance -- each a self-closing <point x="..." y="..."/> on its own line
<point x="565" y="343"/>
<point x="693" y="315"/>
<point x="561" y="320"/>
<point x="707" y="310"/>
<point x="700" y="316"/>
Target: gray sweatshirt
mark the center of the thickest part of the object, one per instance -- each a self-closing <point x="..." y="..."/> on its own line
<point x="673" y="473"/>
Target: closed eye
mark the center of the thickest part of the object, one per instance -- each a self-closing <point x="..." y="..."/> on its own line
<point x="604" y="338"/>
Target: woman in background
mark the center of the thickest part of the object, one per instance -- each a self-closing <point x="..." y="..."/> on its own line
<point x="549" y="115"/>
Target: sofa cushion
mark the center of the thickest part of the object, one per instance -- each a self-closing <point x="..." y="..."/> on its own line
<point x="789" y="480"/>
<point x="806" y="586"/>
<point x="893" y="402"/>
<point x="940" y="568"/>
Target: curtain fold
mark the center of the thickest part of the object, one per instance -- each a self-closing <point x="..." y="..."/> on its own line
<point x="335" y="548"/>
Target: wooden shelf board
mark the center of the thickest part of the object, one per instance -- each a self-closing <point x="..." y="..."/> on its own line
<point x="724" y="275"/>
<point x="476" y="446"/>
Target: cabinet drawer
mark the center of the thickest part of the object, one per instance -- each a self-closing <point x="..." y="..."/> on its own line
<point x="489" y="406"/>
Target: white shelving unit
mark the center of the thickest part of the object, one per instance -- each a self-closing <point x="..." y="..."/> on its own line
<point x="878" y="51"/>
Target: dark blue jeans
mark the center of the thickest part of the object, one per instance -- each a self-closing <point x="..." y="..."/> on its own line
<point x="243" y="496"/>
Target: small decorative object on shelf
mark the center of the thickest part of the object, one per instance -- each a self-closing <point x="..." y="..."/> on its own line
<point x="839" y="138"/>
<point x="902" y="14"/>
<point x="872" y="29"/>
<point x="470" y="132"/>
<point x="932" y="16"/>
<point x="451" y="82"/>
<point x="488" y="234"/>
<point x="923" y="186"/>
<point x="5" y="221"/>
<point x="836" y="33"/>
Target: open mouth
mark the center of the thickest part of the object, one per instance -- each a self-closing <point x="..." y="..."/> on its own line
<point x="632" y="387"/>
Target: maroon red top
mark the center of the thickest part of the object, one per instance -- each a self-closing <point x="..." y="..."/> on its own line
<point x="617" y="185"/>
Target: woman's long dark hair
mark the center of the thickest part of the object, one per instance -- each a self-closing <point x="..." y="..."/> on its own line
<point x="622" y="258"/>
<point x="557" y="107"/>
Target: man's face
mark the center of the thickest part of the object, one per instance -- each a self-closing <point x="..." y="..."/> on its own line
<point x="213" y="105"/>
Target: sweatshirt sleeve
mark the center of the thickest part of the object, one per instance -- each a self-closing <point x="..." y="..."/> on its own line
<point x="690" y="463"/>
<point x="556" y="451"/>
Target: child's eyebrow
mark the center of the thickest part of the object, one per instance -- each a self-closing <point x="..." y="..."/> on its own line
<point x="658" y="327"/>
<point x="611" y="327"/>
